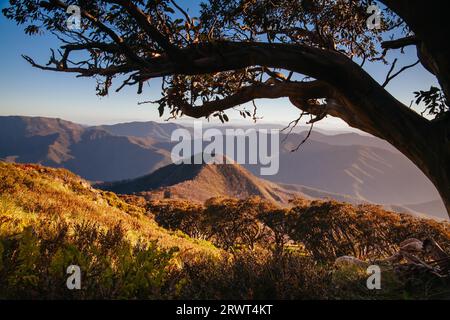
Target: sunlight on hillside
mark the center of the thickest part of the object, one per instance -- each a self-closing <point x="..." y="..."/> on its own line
<point x="133" y="248"/>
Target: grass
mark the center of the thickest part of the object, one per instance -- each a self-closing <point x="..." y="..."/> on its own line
<point x="29" y="193"/>
<point x="131" y="248"/>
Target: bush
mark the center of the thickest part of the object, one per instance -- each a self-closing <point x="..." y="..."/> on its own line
<point x="255" y="275"/>
<point x="329" y="229"/>
<point x="50" y="219"/>
<point x="33" y="263"/>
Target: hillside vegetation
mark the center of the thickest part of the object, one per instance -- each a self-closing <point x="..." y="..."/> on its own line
<point x="50" y="219"/>
<point x="128" y="247"/>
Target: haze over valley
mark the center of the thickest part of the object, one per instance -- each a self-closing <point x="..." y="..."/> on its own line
<point x="344" y="166"/>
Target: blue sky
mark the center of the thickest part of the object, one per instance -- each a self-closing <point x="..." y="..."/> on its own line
<point x="28" y="91"/>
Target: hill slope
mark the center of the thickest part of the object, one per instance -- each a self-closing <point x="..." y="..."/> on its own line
<point x="363" y="172"/>
<point x="152" y="129"/>
<point x="199" y="182"/>
<point x="51" y="219"/>
<point x="203" y="181"/>
<point x="92" y="153"/>
<point x="30" y="193"/>
<point x="37" y="139"/>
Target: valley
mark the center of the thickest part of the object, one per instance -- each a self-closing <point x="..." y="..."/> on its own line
<point x="346" y="166"/>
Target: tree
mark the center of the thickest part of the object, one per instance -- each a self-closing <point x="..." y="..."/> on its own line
<point x="182" y="215"/>
<point x="281" y="222"/>
<point x="233" y="223"/>
<point x="241" y="50"/>
<point x="331" y="229"/>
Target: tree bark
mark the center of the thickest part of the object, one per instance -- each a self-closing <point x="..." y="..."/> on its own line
<point x="426" y="143"/>
<point x="438" y="161"/>
<point x="429" y="21"/>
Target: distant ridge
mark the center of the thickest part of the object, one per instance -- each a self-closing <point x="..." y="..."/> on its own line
<point x="155" y="130"/>
<point x="92" y="153"/>
<point x="199" y="182"/>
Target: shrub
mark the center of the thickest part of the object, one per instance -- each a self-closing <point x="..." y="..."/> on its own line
<point x="329" y="229"/>
<point x="33" y="263"/>
<point x="252" y="275"/>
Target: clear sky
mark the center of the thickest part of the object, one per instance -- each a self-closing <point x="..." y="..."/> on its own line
<point x="28" y="91"/>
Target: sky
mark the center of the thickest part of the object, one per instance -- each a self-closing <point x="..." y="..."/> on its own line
<point x="27" y="91"/>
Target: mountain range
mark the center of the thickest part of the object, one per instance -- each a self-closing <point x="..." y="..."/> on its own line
<point x="91" y="152"/>
<point x="350" y="166"/>
<point x="366" y="172"/>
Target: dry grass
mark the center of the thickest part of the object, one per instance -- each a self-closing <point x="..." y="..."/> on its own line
<point x="226" y="248"/>
<point x="29" y="193"/>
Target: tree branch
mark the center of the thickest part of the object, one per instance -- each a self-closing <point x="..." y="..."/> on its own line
<point x="301" y="90"/>
<point x="400" y="43"/>
<point x="84" y="72"/>
<point x="389" y="77"/>
<point x="142" y="19"/>
<point x="116" y="38"/>
<point x="368" y="100"/>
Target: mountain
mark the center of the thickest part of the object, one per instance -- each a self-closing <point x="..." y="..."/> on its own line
<point x="357" y="167"/>
<point x="200" y="182"/>
<point x="268" y="126"/>
<point x="100" y="156"/>
<point x="364" y="172"/>
<point x="152" y="129"/>
<point x="93" y="153"/>
<point x="313" y="193"/>
<point x="349" y="139"/>
<point x="433" y="209"/>
<point x="37" y="139"/>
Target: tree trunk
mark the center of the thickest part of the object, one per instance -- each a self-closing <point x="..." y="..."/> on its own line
<point x="429" y="150"/>
<point x="430" y="24"/>
<point x="426" y="143"/>
<point x="438" y="160"/>
<point x="428" y="147"/>
<point x="434" y="161"/>
<point x="429" y="21"/>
